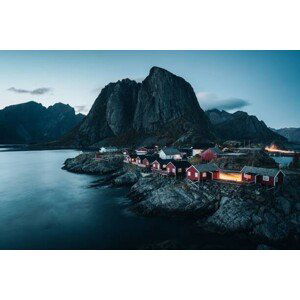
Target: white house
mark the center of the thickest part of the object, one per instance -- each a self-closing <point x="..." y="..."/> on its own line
<point x="170" y="153"/>
<point x="108" y="149"/>
<point x="196" y="151"/>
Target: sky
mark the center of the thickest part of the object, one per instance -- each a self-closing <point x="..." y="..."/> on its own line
<point x="262" y="83"/>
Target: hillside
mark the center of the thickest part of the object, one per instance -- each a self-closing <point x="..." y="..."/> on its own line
<point x="31" y="122"/>
<point x="241" y="126"/>
<point x="292" y="134"/>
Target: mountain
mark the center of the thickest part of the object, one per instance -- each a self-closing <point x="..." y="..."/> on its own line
<point x="111" y="114"/>
<point x="292" y="134"/>
<point x="241" y="126"/>
<point x="31" y="122"/>
<point x="218" y="116"/>
<point x="163" y="109"/>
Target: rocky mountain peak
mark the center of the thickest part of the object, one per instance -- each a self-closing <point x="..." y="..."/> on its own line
<point x="164" y="98"/>
<point x="161" y="109"/>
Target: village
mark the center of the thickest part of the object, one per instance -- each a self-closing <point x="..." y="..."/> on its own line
<point x="198" y="165"/>
<point x="230" y="189"/>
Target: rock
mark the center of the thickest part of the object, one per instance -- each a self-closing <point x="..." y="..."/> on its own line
<point x="297" y="206"/>
<point x="167" y="104"/>
<point x="126" y="179"/>
<point x="234" y="215"/>
<point x="86" y="163"/>
<point x="224" y="200"/>
<point x="285" y="205"/>
<point x="162" y="196"/>
<point x="272" y="230"/>
<point x="162" y="109"/>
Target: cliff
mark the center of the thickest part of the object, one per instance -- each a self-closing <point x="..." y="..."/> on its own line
<point x="163" y="109"/>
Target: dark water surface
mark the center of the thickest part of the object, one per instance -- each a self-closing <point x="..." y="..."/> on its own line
<point x="44" y="207"/>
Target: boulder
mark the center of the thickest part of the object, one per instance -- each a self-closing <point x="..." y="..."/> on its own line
<point x="129" y="178"/>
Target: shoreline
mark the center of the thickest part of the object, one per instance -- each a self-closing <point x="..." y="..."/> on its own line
<point x="217" y="207"/>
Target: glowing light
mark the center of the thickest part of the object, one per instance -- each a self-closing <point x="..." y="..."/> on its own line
<point x="275" y="149"/>
<point x="230" y="176"/>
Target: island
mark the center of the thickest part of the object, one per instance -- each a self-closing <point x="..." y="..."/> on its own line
<point x="260" y="207"/>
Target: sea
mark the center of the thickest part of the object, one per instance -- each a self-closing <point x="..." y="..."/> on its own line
<point x="45" y="207"/>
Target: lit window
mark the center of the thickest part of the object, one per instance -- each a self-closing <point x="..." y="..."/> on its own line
<point x="196" y="175"/>
<point x="204" y="174"/>
<point x="265" y="178"/>
<point x="189" y="173"/>
<point x="173" y="170"/>
<point x="179" y="170"/>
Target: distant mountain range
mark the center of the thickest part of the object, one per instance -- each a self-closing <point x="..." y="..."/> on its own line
<point x="161" y="110"/>
<point x="292" y="134"/>
<point x="31" y="122"/>
<point x="241" y="126"/>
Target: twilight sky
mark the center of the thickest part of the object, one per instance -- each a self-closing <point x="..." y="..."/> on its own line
<point x="263" y="83"/>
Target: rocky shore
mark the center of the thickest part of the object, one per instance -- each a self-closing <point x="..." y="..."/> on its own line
<point x="110" y="165"/>
<point x="265" y="216"/>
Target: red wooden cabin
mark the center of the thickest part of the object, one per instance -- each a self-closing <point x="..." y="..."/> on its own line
<point x="160" y="164"/>
<point x="132" y="158"/>
<point x="210" y="154"/>
<point x="202" y="172"/>
<point x="149" y="159"/>
<point x="177" y="168"/>
<point x="263" y="176"/>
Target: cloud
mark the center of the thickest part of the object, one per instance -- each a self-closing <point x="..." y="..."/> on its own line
<point x="81" y="109"/>
<point x="38" y="91"/>
<point x="210" y="100"/>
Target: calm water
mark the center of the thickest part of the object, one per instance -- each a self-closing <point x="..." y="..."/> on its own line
<point x="44" y="207"/>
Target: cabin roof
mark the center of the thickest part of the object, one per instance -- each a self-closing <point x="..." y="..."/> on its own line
<point x="210" y="167"/>
<point x="142" y="149"/>
<point x="180" y="163"/>
<point x="170" y="151"/>
<point x="163" y="161"/>
<point x="141" y="157"/>
<point x="151" y="159"/>
<point x="216" y="150"/>
<point x="261" y="171"/>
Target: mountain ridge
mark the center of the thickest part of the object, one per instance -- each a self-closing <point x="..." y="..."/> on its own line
<point x="242" y="126"/>
<point x="31" y="122"/>
<point x="291" y="133"/>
